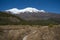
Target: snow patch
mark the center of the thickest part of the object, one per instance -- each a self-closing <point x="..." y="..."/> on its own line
<point x="13" y="10"/>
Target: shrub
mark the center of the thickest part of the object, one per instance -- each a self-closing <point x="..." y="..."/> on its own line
<point x="50" y="25"/>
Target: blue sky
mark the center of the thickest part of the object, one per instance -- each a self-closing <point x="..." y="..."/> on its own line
<point x="47" y="5"/>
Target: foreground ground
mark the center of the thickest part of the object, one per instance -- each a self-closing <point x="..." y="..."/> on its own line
<point x="29" y="32"/>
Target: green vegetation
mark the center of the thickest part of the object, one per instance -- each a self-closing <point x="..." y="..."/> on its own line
<point x="41" y="22"/>
<point x="50" y="25"/>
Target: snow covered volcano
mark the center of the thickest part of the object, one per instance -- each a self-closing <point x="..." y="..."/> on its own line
<point x="28" y="9"/>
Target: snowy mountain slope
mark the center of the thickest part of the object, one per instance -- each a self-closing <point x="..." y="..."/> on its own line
<point x="28" y="9"/>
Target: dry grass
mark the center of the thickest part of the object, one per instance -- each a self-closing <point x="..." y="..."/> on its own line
<point x="18" y="32"/>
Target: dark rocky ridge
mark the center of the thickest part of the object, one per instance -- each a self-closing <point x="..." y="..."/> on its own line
<point x="38" y="15"/>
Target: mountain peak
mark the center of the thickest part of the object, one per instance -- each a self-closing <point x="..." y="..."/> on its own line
<point x="28" y="9"/>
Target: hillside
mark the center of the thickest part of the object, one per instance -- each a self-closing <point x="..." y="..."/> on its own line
<point x="6" y="19"/>
<point x="28" y="18"/>
<point x="40" y="18"/>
